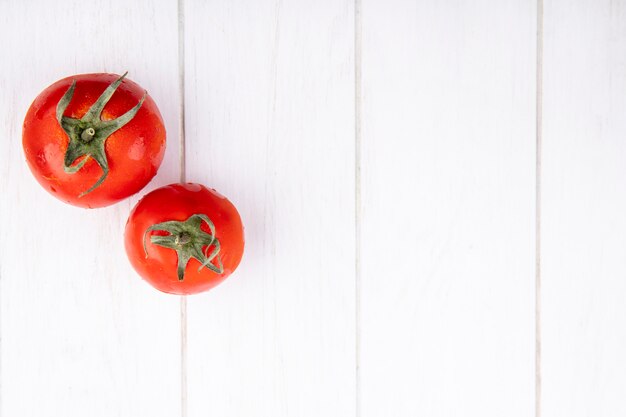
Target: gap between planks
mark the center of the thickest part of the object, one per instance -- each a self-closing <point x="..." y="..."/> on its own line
<point x="357" y="202"/>
<point x="538" y="139"/>
<point x="182" y="178"/>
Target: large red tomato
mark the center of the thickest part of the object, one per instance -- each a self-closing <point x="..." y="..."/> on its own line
<point x="93" y="139"/>
<point x="184" y="238"/>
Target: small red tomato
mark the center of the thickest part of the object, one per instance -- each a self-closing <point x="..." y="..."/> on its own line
<point x="92" y="140"/>
<point x="184" y="238"/>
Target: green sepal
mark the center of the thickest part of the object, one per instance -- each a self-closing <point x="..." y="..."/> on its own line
<point x="189" y="241"/>
<point x="92" y="146"/>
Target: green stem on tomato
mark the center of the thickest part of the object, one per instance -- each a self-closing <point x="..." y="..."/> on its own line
<point x="189" y="241"/>
<point x="88" y="134"/>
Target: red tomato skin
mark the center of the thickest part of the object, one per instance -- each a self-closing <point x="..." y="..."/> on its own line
<point x="134" y="152"/>
<point x="179" y="202"/>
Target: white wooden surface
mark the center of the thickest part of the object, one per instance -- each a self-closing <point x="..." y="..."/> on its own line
<point x="80" y="334"/>
<point x="270" y="124"/>
<point x="448" y="176"/>
<point x="584" y="205"/>
<point x="384" y="159"/>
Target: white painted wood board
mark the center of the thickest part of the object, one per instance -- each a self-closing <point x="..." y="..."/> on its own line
<point x="583" y="223"/>
<point x="383" y="158"/>
<point x="270" y="124"/>
<point x="448" y="208"/>
<point x="81" y="335"/>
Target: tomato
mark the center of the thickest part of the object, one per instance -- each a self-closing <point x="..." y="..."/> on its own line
<point x="184" y="238"/>
<point x="93" y="139"/>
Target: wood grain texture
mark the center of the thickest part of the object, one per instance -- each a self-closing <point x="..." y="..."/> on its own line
<point x="270" y="124"/>
<point x="384" y="167"/>
<point x="448" y="215"/>
<point x="81" y="334"/>
<point x="583" y="223"/>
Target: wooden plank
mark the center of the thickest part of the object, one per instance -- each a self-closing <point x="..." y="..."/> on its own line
<point x="81" y="333"/>
<point x="270" y="124"/>
<point x="583" y="224"/>
<point x="448" y="214"/>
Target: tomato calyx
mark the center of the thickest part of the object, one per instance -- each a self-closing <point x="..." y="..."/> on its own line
<point x="188" y="240"/>
<point x="88" y="134"/>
